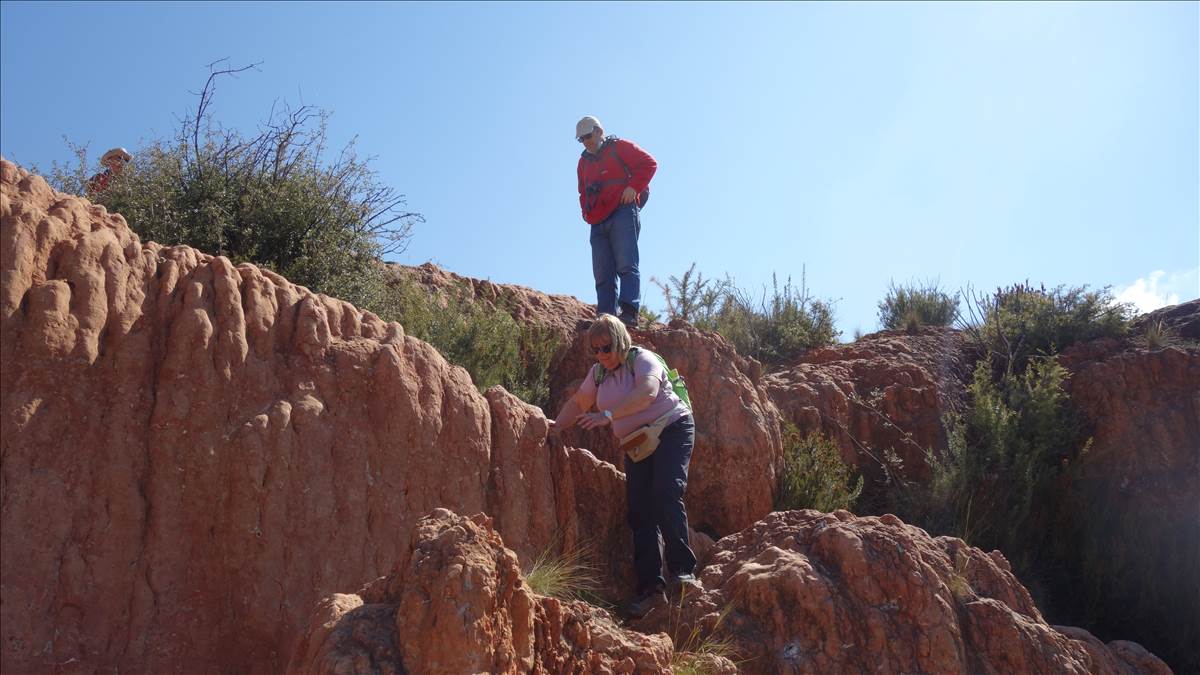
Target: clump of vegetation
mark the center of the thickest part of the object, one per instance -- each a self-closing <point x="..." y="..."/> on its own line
<point x="481" y="337"/>
<point x="773" y="329"/>
<point x="960" y="588"/>
<point x="1020" y="322"/>
<point x="271" y="198"/>
<point x="692" y="298"/>
<point x="1156" y="334"/>
<point x="993" y="489"/>
<point x="814" y="475"/>
<point x="566" y="576"/>
<point x="913" y="306"/>
<point x="697" y="651"/>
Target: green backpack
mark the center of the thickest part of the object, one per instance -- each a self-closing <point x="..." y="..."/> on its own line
<point x="673" y="376"/>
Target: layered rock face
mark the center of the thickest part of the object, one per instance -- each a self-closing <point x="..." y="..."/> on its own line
<point x="194" y="453"/>
<point x="886" y="393"/>
<point x="197" y="454"/>
<point x="1136" y="493"/>
<point x="457" y="603"/>
<point x="807" y="592"/>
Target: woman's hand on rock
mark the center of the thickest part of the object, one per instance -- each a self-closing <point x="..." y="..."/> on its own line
<point x="593" y="420"/>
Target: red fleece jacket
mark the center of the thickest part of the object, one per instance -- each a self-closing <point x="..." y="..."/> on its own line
<point x="604" y="172"/>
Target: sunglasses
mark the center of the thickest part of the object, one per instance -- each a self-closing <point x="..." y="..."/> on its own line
<point x="606" y="349"/>
<point x="587" y="136"/>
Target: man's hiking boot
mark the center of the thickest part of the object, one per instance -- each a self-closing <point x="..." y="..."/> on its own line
<point x="645" y="603"/>
<point x="630" y="320"/>
<point x="683" y="585"/>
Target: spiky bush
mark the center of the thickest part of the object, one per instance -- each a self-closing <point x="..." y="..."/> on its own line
<point x="915" y="305"/>
<point x="1022" y="321"/>
<point x="773" y="328"/>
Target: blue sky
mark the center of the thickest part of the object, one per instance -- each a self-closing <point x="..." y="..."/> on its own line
<point x="860" y="143"/>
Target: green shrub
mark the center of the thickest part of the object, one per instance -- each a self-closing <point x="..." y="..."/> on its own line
<point x="916" y="305"/>
<point x="776" y="328"/>
<point x="648" y="317"/>
<point x="482" y="338"/>
<point x="994" y="487"/>
<point x="270" y="198"/>
<point x="691" y="297"/>
<point x="1020" y="322"/>
<point x="814" y="475"/>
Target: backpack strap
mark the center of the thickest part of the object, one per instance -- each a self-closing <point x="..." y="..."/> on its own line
<point x="644" y="195"/>
<point x="613" y="143"/>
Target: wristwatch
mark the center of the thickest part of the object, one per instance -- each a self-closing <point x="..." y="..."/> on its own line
<point x="608" y="414"/>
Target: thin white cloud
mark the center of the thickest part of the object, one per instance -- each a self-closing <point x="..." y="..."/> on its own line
<point x="1159" y="289"/>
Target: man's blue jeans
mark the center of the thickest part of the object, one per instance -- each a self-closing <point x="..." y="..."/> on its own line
<point x="615" y="255"/>
<point x="654" y="489"/>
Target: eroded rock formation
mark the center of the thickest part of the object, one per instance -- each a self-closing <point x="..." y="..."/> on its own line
<point x="886" y="393"/>
<point x="458" y="604"/>
<point x="197" y="454"/>
<point x="809" y="592"/>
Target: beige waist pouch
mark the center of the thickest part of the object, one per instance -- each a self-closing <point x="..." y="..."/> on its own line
<point x="643" y="441"/>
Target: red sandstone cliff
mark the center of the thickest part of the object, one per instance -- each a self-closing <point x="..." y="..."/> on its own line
<point x="194" y="452"/>
<point x="197" y="454"/>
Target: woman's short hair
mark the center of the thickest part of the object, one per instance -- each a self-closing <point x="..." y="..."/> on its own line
<point x="609" y="325"/>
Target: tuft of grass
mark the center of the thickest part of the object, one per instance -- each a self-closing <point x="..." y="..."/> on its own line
<point x="959" y="586"/>
<point x="912" y="321"/>
<point x="567" y="576"/>
<point x="1157" y="335"/>
<point x="695" y="649"/>
<point x="814" y="475"/>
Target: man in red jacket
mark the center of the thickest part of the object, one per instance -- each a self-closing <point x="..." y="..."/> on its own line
<point x="614" y="183"/>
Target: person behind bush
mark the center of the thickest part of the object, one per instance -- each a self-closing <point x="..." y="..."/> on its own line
<point x="627" y="400"/>
<point x="614" y="183"/>
<point x="113" y="162"/>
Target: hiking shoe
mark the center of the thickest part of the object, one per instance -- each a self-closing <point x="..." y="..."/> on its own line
<point x="630" y="320"/>
<point x="645" y="603"/>
<point x="684" y="584"/>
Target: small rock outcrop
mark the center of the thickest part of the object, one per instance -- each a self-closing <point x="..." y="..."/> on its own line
<point x="810" y="592"/>
<point x="457" y="603"/>
<point x="884" y="393"/>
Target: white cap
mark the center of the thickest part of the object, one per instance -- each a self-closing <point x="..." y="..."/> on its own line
<point x="585" y="126"/>
<point x="116" y="152"/>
